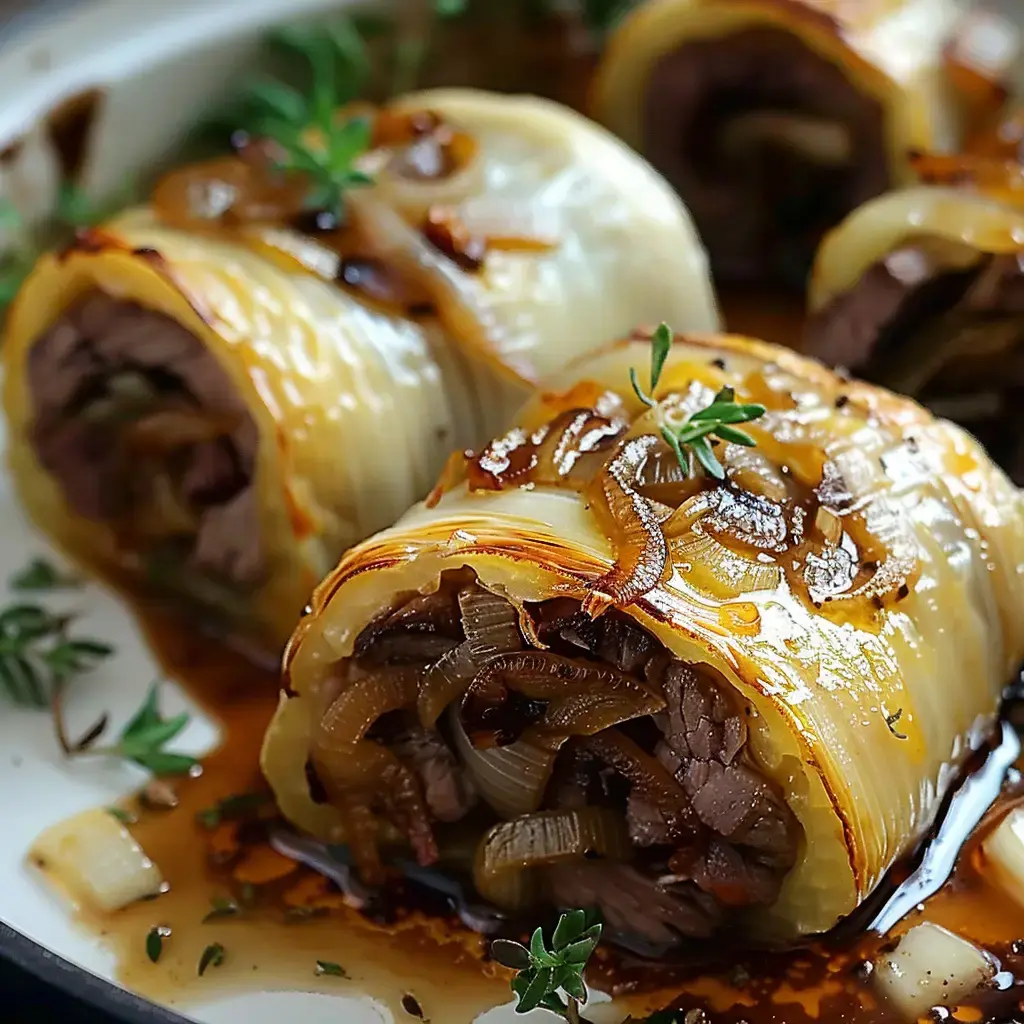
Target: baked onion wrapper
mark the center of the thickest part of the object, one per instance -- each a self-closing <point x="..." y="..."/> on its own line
<point x="864" y="698"/>
<point x="878" y="227"/>
<point x="350" y="405"/>
<point x="889" y="50"/>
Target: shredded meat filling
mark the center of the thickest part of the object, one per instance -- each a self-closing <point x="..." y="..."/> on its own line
<point x="708" y="833"/>
<point x="941" y="322"/>
<point x="769" y="144"/>
<point x="142" y="429"/>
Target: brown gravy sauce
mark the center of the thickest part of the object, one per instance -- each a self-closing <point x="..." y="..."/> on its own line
<point x="271" y="946"/>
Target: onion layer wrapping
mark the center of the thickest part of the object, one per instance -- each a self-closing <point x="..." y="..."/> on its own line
<point x="216" y="392"/>
<point x="776" y="740"/>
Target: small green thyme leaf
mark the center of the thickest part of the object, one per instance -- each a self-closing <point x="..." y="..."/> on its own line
<point x="123" y="816"/>
<point x="329" y="968"/>
<point x="213" y="956"/>
<point x="142" y="740"/>
<point x="696" y="437"/>
<point x="231" y="808"/>
<point x="155" y="941"/>
<point x="221" y="907"/>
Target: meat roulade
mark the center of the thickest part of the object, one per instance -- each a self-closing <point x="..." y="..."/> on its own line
<point x="222" y="391"/>
<point x="696" y="699"/>
<point x="776" y="118"/>
<point x="922" y="290"/>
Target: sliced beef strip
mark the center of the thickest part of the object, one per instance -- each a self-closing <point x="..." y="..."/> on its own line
<point x="447" y="789"/>
<point x="753" y="832"/>
<point x="760" y="218"/>
<point x="634" y="904"/>
<point x="928" y="292"/>
<point x="74" y="365"/>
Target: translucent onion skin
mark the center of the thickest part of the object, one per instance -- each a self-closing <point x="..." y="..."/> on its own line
<point x="878" y="227"/>
<point x="824" y="683"/>
<point x="357" y="408"/>
<point x="892" y="52"/>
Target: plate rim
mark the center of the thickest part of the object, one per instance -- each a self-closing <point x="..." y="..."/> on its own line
<point x="81" y="984"/>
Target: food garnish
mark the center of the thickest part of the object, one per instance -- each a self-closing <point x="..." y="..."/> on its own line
<point x="123" y="816"/>
<point x="239" y="805"/>
<point x="329" y="968"/>
<point x="543" y="972"/>
<point x="221" y="907"/>
<point x="213" y="956"/>
<point x="691" y="439"/>
<point x="155" y="941"/>
<point x="310" y="136"/>
<point x="141" y="741"/>
<point x="41" y="574"/>
<point x="38" y="656"/>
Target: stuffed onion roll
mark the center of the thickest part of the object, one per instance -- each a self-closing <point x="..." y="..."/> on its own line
<point x="697" y="678"/>
<point x="775" y="118"/>
<point x="222" y="391"/>
<point x="922" y="290"/>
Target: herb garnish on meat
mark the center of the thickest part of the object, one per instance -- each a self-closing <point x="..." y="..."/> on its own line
<point x="691" y="439"/>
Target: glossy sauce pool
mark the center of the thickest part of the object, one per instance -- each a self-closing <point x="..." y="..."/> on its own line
<point x="424" y="967"/>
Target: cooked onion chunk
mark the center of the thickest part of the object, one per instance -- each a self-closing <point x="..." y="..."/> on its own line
<point x="931" y="966"/>
<point x="97" y="860"/>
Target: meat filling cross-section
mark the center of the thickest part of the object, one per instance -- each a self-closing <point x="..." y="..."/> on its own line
<point x="143" y="430"/>
<point x="589" y="767"/>
<point x="769" y="144"/>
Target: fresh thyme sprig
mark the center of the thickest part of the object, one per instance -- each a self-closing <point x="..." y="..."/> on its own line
<point x="310" y="136"/>
<point x="545" y="972"/>
<point x="691" y="439"/>
<point x="141" y="741"/>
<point x="37" y="654"/>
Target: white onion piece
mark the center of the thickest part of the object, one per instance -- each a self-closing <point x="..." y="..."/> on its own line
<point x="1004" y="855"/>
<point x="931" y="966"/>
<point x="819" y="139"/>
<point x="511" y="779"/>
<point x="97" y="860"/>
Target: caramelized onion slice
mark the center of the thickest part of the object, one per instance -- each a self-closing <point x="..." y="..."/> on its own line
<point x="584" y="697"/>
<point x="353" y="768"/>
<point x="452" y="291"/>
<point x="507" y="854"/>
<point x="640" y="548"/>
<point x="512" y="779"/>
<point x="491" y="626"/>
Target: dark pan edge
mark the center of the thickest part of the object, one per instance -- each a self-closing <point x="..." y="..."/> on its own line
<point x="81" y="984"/>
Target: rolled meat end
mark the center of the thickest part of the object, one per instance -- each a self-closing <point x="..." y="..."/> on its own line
<point x="696" y="705"/>
<point x="936" y="310"/>
<point x="775" y="118"/>
<point x="180" y="382"/>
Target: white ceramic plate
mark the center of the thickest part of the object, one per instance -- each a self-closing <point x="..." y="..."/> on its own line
<point x="161" y="66"/>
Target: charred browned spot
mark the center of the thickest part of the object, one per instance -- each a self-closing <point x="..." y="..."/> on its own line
<point x="69" y="127"/>
<point x="445" y="232"/>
